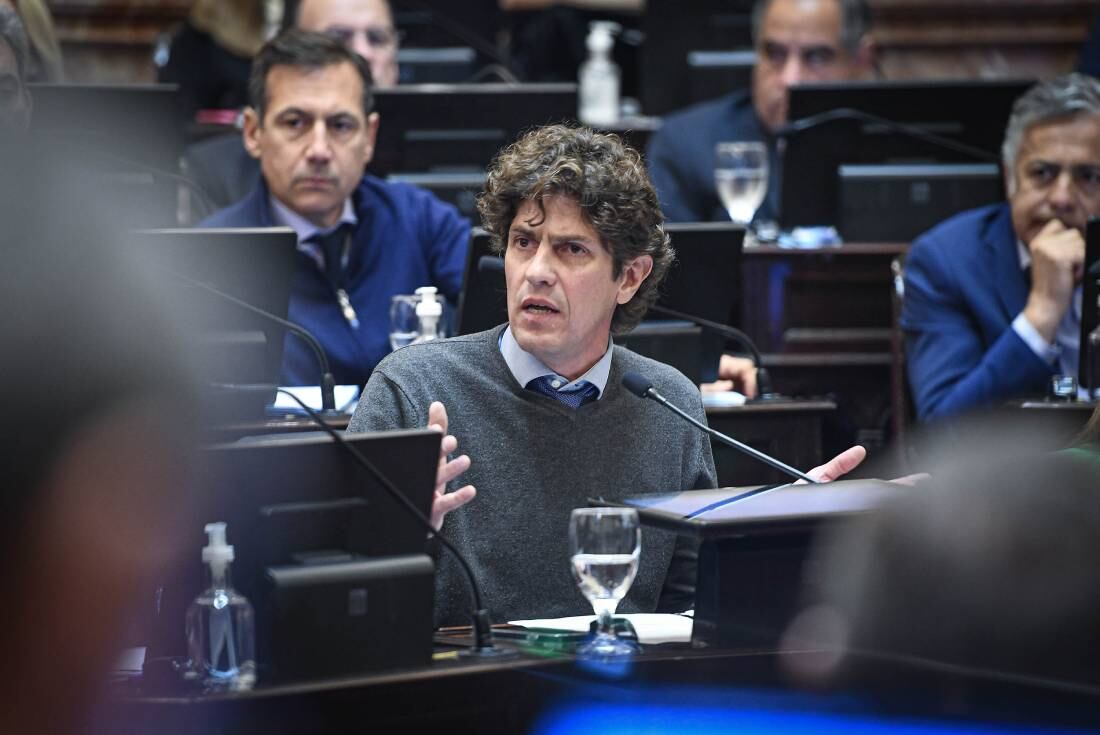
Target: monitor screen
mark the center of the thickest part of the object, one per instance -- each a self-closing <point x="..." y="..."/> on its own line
<point x="298" y="500"/>
<point x="127" y="139"/>
<point x="198" y="274"/>
<point x="916" y="122"/>
<point x="416" y="135"/>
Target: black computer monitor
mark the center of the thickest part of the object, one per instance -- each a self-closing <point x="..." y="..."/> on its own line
<point x="483" y="302"/>
<point x="460" y="127"/>
<point x="125" y="139"/>
<point x="298" y="501"/>
<point x="1090" y="305"/>
<point x="229" y="343"/>
<point x="704" y="282"/>
<point x="968" y="118"/>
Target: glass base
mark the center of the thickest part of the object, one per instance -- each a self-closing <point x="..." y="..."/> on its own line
<point x="607" y="646"/>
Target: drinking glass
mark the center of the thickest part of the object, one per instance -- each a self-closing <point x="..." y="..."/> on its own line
<point x="405" y="324"/>
<point x="741" y="177"/>
<point x="605" y="544"/>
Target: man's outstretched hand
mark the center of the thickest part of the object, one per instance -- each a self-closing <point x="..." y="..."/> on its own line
<point x="444" y="502"/>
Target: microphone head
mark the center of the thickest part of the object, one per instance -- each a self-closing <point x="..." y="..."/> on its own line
<point x="637" y="383"/>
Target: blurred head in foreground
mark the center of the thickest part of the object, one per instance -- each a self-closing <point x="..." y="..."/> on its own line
<point x="990" y="564"/>
<point x="94" y="439"/>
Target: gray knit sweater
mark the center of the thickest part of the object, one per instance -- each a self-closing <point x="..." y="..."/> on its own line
<point x="533" y="461"/>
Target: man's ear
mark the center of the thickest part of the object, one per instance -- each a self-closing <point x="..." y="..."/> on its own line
<point x="867" y="57"/>
<point x="372" y="135"/>
<point x="251" y="132"/>
<point x="634" y="272"/>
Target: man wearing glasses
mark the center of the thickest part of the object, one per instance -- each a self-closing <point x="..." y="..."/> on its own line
<point x="364" y="26"/>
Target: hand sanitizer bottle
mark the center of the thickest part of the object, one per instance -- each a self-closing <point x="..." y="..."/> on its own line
<point x="428" y="312"/>
<point x="599" y="77"/>
<point x="220" y="624"/>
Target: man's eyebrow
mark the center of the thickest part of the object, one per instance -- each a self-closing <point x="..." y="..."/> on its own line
<point x="520" y="230"/>
<point x="557" y="239"/>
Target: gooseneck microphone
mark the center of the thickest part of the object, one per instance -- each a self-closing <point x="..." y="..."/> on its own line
<point x="482" y="627"/>
<point x="328" y="382"/>
<point x="640" y="386"/>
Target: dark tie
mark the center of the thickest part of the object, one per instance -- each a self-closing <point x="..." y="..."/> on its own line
<point x="332" y="247"/>
<point x="573" y="398"/>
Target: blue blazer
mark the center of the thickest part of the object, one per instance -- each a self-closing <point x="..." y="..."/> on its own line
<point x="406" y="238"/>
<point x="963" y="288"/>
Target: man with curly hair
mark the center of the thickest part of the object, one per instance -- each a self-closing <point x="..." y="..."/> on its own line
<point x="538" y="401"/>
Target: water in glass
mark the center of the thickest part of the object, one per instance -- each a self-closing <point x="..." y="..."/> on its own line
<point x="741" y="177"/>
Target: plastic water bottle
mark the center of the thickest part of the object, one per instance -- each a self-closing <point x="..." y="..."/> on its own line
<point x="428" y="313"/>
<point x="599" y="77"/>
<point x="221" y="632"/>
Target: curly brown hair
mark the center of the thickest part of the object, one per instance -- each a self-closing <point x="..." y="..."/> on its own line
<point x="608" y="181"/>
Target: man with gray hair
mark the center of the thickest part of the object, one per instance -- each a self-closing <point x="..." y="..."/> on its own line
<point x="796" y="41"/>
<point x="15" y="99"/>
<point x="992" y="296"/>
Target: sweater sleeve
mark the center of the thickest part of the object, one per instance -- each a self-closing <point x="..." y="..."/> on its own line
<point x="384" y="406"/>
<point x="678" y="591"/>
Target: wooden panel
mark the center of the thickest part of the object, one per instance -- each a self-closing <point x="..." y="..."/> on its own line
<point x="113" y="40"/>
<point x="921" y="39"/>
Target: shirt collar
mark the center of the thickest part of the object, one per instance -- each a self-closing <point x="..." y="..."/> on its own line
<point x="1024" y="254"/>
<point x="525" y="367"/>
<point x="284" y="215"/>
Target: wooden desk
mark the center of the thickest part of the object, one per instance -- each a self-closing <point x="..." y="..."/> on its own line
<point x="822" y="319"/>
<point x="515" y="696"/>
<point x="791" y="431"/>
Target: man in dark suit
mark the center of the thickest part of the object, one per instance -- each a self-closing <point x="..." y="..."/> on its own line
<point x="992" y="296"/>
<point x="361" y="240"/>
<point x="796" y="41"/>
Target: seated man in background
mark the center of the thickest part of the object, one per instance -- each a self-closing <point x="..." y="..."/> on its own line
<point x="539" y="401"/>
<point x="220" y="166"/>
<point x="15" y="99"/>
<point x="796" y="41"/>
<point x="992" y="297"/>
<point x="361" y="240"/>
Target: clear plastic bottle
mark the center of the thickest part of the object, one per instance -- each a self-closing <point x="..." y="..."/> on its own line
<point x="599" y="77"/>
<point x="429" y="312"/>
<point x="221" y="628"/>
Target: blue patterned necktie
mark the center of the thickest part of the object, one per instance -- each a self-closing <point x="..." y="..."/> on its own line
<point x="585" y="393"/>
<point x="332" y="246"/>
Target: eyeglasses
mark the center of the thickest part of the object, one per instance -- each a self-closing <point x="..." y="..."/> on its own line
<point x="377" y="37"/>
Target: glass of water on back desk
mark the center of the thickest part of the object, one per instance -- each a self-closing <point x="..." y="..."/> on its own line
<point x="605" y="544"/>
<point x="741" y="178"/>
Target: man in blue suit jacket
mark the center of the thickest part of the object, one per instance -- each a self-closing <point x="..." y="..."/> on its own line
<point x="992" y="296"/>
<point x="361" y="240"/>
<point x="796" y="41"/>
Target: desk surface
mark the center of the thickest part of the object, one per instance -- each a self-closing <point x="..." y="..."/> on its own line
<point x="671" y="680"/>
